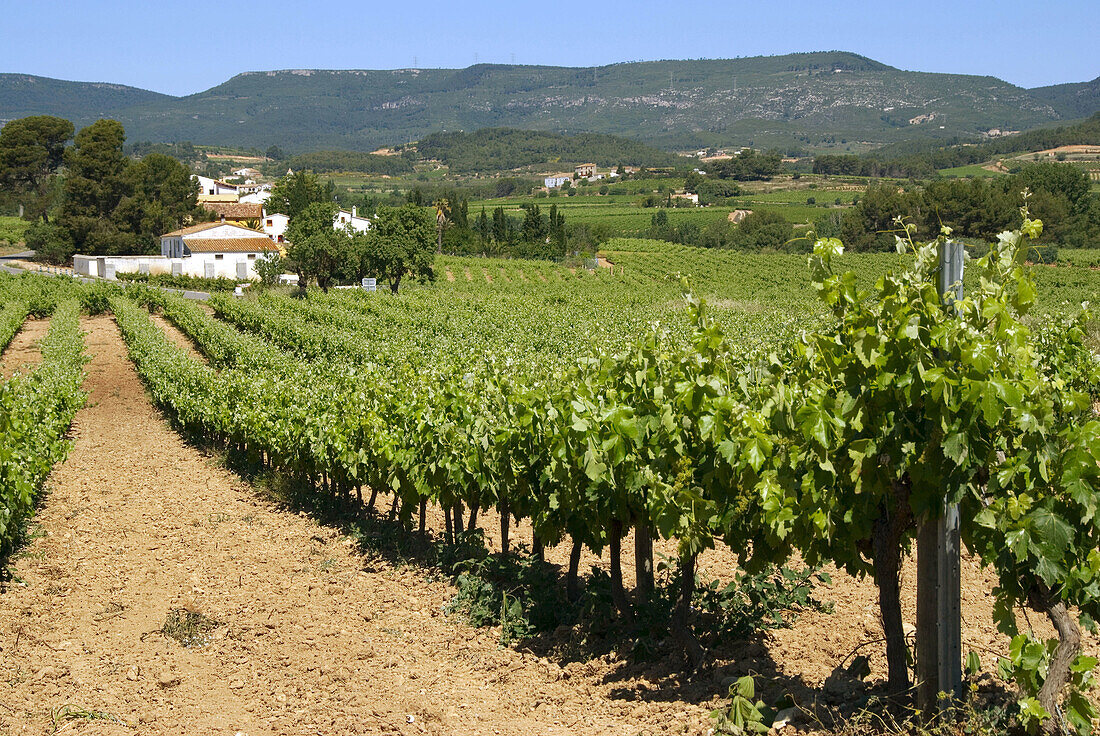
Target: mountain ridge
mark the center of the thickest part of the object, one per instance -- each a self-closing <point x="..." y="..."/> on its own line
<point x="806" y="99"/>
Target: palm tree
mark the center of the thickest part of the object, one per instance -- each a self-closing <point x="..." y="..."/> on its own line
<point x="442" y="220"/>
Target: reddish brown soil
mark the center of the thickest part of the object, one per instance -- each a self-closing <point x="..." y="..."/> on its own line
<point x="22" y="352"/>
<point x="177" y="337"/>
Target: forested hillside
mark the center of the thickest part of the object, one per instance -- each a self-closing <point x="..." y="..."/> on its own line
<point x="813" y="99"/>
<point x="1076" y="99"/>
<point x="23" y="94"/>
<point x="921" y="159"/>
<point x="496" y="149"/>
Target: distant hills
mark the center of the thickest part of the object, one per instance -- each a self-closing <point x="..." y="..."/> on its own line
<point x="793" y="100"/>
<point x="1077" y="99"/>
<point x="82" y="102"/>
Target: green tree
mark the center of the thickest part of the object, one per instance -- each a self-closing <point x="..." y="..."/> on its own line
<point x="50" y="242"/>
<point x="319" y="250"/>
<point x="502" y="227"/>
<point x="94" y="185"/>
<point x="1068" y="182"/>
<point x="400" y="243"/>
<point x="484" y="232"/>
<point x="762" y="230"/>
<point x="31" y="152"/>
<point x="161" y="197"/>
<point x="292" y="194"/>
<point x="535" y="227"/>
<point x="269" y="268"/>
<point x="870" y="224"/>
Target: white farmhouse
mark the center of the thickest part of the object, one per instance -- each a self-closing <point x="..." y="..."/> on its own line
<point x="274" y="225"/>
<point x="351" y="219"/>
<point x="215" y="249"/>
<point x="553" y="182"/>
<point x="215" y="187"/>
<point x="257" y="197"/>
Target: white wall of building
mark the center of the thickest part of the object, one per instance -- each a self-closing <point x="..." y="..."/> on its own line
<point x="105" y="266"/>
<point x="274" y="225"/>
<point x="213" y="186"/>
<point x="221" y="265"/>
<point x="204" y="265"/>
<point x="345" y="219"/>
<point x="256" y="197"/>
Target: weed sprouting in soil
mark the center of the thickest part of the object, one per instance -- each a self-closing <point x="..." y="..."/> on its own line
<point x="521" y="594"/>
<point x="70" y="712"/>
<point x="189" y="628"/>
<point x="987" y="709"/>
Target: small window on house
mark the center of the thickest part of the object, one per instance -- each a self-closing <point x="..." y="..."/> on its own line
<point x="218" y="257"/>
<point x="270" y="223"/>
<point x="251" y="256"/>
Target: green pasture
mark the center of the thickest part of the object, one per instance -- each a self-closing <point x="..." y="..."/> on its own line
<point x="969" y="171"/>
<point x="11" y="230"/>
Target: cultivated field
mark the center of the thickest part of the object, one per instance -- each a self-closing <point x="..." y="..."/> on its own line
<point x="257" y="527"/>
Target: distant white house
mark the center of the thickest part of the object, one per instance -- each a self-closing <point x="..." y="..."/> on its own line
<point x="585" y="170"/>
<point x="274" y="224"/>
<point x="258" y="197"/>
<point x="352" y="220"/>
<point x="251" y="187"/>
<point x="553" y="182"/>
<point x="215" y="187"/>
<point x="247" y="173"/>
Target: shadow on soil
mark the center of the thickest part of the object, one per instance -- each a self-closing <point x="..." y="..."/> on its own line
<point x="525" y="596"/>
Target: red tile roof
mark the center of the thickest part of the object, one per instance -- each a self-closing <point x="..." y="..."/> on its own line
<point x="258" y="244"/>
<point x="235" y="210"/>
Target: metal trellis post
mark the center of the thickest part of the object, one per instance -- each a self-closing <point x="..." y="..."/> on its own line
<point x="939" y="618"/>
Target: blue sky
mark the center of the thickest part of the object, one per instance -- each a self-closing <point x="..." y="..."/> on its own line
<point x="185" y="47"/>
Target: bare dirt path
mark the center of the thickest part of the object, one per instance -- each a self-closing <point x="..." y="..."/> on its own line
<point x="312" y="637"/>
<point x="22" y="352"/>
<point x="176" y="336"/>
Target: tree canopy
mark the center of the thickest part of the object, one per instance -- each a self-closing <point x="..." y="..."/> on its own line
<point x="319" y="250"/>
<point x="292" y="194"/>
<point x="400" y="243"/>
<point x="110" y="204"/>
<point x="31" y="152"/>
